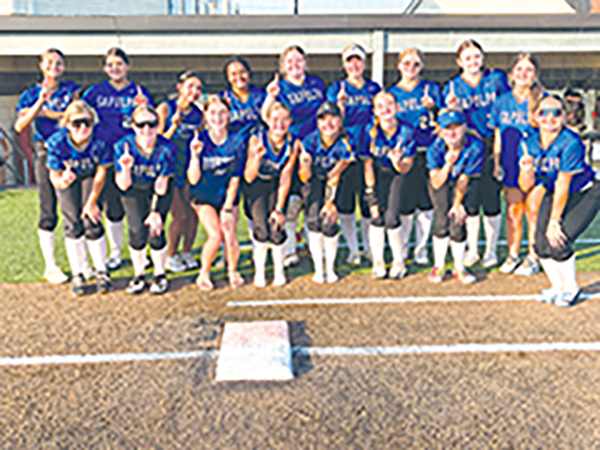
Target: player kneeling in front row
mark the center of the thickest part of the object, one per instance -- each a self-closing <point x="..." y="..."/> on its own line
<point x="325" y="154"/>
<point x="388" y="154"/>
<point x="144" y="163"/>
<point x="77" y="159"/>
<point x="554" y="156"/>
<point x="454" y="160"/>
<point x="271" y="159"/>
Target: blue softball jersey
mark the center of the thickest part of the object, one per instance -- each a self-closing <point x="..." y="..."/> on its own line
<point x="358" y="112"/>
<point x="244" y="115"/>
<point x="412" y="111"/>
<point x="470" y="160"/>
<point x="477" y="101"/>
<point x="114" y="107"/>
<point x="182" y="137"/>
<point x="273" y="161"/>
<point x="303" y="101"/>
<point x="146" y="168"/>
<point x="218" y="164"/>
<point x="565" y="154"/>
<point x="378" y="146"/>
<point x="325" y="158"/>
<point x="512" y="119"/>
<point x="45" y="127"/>
<point x="83" y="162"/>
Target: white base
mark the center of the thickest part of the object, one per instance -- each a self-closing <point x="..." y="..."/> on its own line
<point x="255" y="351"/>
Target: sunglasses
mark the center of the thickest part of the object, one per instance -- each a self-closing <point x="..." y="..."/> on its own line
<point x="147" y="123"/>
<point x="78" y="123"/>
<point x="411" y="63"/>
<point x="550" y="112"/>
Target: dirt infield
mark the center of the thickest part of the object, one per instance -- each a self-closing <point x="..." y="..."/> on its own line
<point x="473" y="400"/>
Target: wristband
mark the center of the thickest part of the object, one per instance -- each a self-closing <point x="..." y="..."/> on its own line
<point x="330" y="192"/>
<point x="154" y="202"/>
<point x="370" y="197"/>
<point x="279" y="210"/>
<point x="228" y="210"/>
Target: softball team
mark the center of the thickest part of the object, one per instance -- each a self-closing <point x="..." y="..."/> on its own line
<point x="409" y="149"/>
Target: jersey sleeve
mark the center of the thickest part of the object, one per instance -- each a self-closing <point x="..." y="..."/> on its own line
<point x="89" y="97"/>
<point x="54" y="159"/>
<point x="411" y="143"/>
<point x="503" y="84"/>
<point x="308" y="143"/>
<point x="332" y="91"/>
<point x="494" y="121"/>
<point x="146" y="93"/>
<point x="105" y="157"/>
<point x="26" y="100"/>
<point x="346" y="150"/>
<point x="475" y="158"/>
<point x="119" y="150"/>
<point x="167" y="163"/>
<point x="572" y="158"/>
<point x="366" y="141"/>
<point x="434" y="155"/>
<point x="436" y="94"/>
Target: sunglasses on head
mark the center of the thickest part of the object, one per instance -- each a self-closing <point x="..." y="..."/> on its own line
<point x="146" y="123"/>
<point x="78" y="123"/>
<point x="411" y="63"/>
<point x="550" y="112"/>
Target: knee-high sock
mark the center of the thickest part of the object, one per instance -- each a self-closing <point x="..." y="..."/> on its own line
<point x="259" y="254"/>
<point x="405" y="230"/>
<point x="458" y="254"/>
<point x="138" y="261"/>
<point x="47" y="247"/>
<point x="423" y="229"/>
<point x="114" y="231"/>
<point x="97" y="249"/>
<point x="440" y="248"/>
<point x="159" y="258"/>
<point x="365" y="224"/>
<point x="331" y="246"/>
<point x="567" y="269"/>
<point x="291" y="223"/>
<point x="473" y="234"/>
<point x="315" y="245"/>
<point x="290" y="240"/>
<point x="278" y="254"/>
<point x="251" y="231"/>
<point x="554" y="273"/>
<point x="396" y="244"/>
<point x="348" y="225"/>
<point x="377" y="240"/>
<point x="75" y="249"/>
<point x="491" y="225"/>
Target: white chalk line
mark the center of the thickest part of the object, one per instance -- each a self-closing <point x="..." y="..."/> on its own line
<point x="375" y="300"/>
<point x="57" y="360"/>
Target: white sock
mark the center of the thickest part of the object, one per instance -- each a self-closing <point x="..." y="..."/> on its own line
<point x="405" y="230"/>
<point x="315" y="245"/>
<point x="331" y="246"/>
<point x="377" y="240"/>
<point x="473" y="234"/>
<point x="47" y="246"/>
<point x="159" y="258"/>
<point x="278" y="252"/>
<point x="251" y="232"/>
<point x="348" y="225"/>
<point x="458" y="255"/>
<point x="491" y="225"/>
<point x="365" y="224"/>
<point x="97" y="249"/>
<point x="138" y="261"/>
<point x="440" y="248"/>
<point x="75" y="248"/>
<point x="423" y="229"/>
<point x="259" y="255"/>
<point x="395" y="240"/>
<point x="114" y="231"/>
<point x="290" y="240"/>
<point x="553" y="272"/>
<point x="567" y="269"/>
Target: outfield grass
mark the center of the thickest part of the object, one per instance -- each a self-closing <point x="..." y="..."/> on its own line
<point x="21" y="259"/>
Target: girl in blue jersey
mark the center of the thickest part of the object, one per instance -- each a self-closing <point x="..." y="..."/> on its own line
<point x="387" y="155"/>
<point x="474" y="90"/>
<point x="553" y="156"/>
<point x="43" y="106"/>
<point x="179" y="117"/>
<point x="77" y="159"/>
<point x="325" y="154"/>
<point x="144" y="164"/>
<point x="354" y="95"/>
<point x="303" y="94"/>
<point x="216" y="166"/>
<point x="272" y="157"/>
<point x="114" y="101"/>
<point x="510" y="120"/>
<point x="418" y="102"/>
<point x="455" y="160"/>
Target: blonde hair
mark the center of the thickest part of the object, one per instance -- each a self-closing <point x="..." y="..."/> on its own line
<point x="78" y="107"/>
<point x="534" y="105"/>
<point x="143" y="108"/>
<point x="288" y="50"/>
<point x="408" y="51"/>
<point x="213" y="98"/>
<point x="277" y="106"/>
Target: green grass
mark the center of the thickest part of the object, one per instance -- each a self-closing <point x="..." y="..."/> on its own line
<point x="21" y="259"/>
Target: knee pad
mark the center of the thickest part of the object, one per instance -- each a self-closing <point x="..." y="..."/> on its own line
<point x="377" y="222"/>
<point x="391" y="222"/>
<point x="260" y="233"/>
<point x="48" y="223"/>
<point x="278" y="236"/>
<point x="138" y="238"/>
<point x="158" y="242"/>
